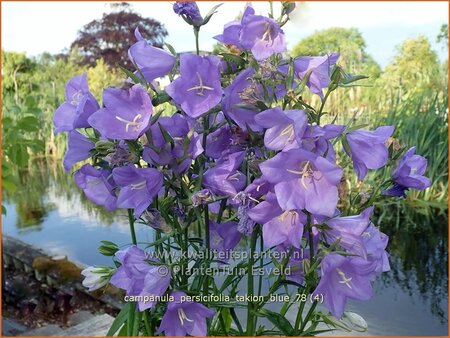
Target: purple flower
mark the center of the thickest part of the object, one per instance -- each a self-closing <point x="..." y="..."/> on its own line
<point x="375" y="243"/>
<point x="279" y="226"/>
<point x="152" y="62"/>
<point x="409" y="174"/>
<point x="189" y="10"/>
<point x="120" y="156"/>
<point x="218" y="141"/>
<point x="126" y="115"/>
<point x="319" y="68"/>
<point x="139" y="278"/>
<point x="138" y="187"/>
<point x="78" y="149"/>
<point x="262" y="35"/>
<point x="244" y="202"/>
<point x="186" y="144"/>
<point x="225" y="178"/>
<point x="368" y="149"/>
<point x="343" y="278"/>
<point x="184" y="317"/>
<point x="224" y="236"/>
<point x="303" y="180"/>
<point x="97" y="186"/>
<point x="348" y="230"/>
<point x="79" y="105"/>
<point x="240" y="100"/>
<point x="232" y="30"/>
<point x="198" y="87"/>
<point x="316" y="139"/>
<point x="285" y="128"/>
<point x="202" y="197"/>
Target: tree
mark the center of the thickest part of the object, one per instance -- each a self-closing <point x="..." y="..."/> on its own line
<point x="443" y="35"/>
<point x="110" y="37"/>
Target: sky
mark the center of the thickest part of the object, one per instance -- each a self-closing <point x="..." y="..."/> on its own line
<point x="36" y="27"/>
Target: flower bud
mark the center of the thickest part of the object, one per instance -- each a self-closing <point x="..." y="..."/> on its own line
<point x="96" y="277"/>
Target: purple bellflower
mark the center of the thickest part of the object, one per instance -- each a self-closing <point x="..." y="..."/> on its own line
<point x="78" y="149"/>
<point x="409" y="174"/>
<point x="279" y="226"/>
<point x="189" y="10"/>
<point x="375" y="243"/>
<point x="368" y="149"/>
<point x="198" y="87"/>
<point x="138" y="187"/>
<point x="79" y="105"/>
<point x="348" y="230"/>
<point x="138" y="278"/>
<point x="303" y="180"/>
<point x="184" y="317"/>
<point x="316" y="139"/>
<point x="152" y="62"/>
<point x="126" y="115"/>
<point x="284" y="128"/>
<point x="262" y="35"/>
<point x="225" y="178"/>
<point x="232" y="30"/>
<point x="97" y="186"/>
<point x="319" y="69"/>
<point x="343" y="278"/>
<point x="239" y="102"/>
<point x="187" y="144"/>
<point x="224" y="236"/>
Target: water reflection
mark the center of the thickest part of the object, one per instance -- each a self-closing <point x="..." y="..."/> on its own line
<point x="51" y="212"/>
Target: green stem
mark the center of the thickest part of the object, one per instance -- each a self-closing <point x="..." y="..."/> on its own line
<point x="196" y="31"/>
<point x="250" y="305"/>
<point x="131" y="221"/>
<point x="147" y="324"/>
<point x="308" y="315"/>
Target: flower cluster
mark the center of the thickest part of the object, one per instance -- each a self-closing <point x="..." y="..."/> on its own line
<point x="243" y="155"/>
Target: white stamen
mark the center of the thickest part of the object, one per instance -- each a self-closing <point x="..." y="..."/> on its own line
<point x="76" y="98"/>
<point x="139" y="185"/>
<point x="135" y="123"/>
<point x="345" y="280"/>
<point x="182" y="316"/>
<point x="200" y="87"/>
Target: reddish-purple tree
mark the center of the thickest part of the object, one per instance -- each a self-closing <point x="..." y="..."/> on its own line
<point x="110" y="37"/>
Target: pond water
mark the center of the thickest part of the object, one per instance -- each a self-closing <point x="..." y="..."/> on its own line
<point x="50" y="212"/>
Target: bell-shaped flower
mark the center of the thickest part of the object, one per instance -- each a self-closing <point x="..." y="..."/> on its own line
<point x="409" y="174"/>
<point x="153" y="62"/>
<point x="78" y="149"/>
<point x="224" y="236"/>
<point x="303" y="180"/>
<point x="240" y="99"/>
<point x="262" y="35"/>
<point x="319" y="70"/>
<point x="189" y="11"/>
<point x="184" y="146"/>
<point x="139" y="278"/>
<point x="126" y="115"/>
<point x="97" y="185"/>
<point x="184" y="317"/>
<point x="284" y="128"/>
<point x="368" y="149"/>
<point x="232" y="30"/>
<point x="198" y="88"/>
<point x="95" y="277"/>
<point x="375" y="243"/>
<point x="316" y="139"/>
<point x="225" y="178"/>
<point x="279" y="226"/>
<point x="348" y="230"/>
<point x="344" y="278"/>
<point x="138" y="187"/>
<point x="79" y="105"/>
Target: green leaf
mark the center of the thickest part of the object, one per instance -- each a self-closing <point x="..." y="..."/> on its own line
<point x="278" y="320"/>
<point x="120" y="320"/>
<point x="171" y="49"/>
<point x="28" y="123"/>
<point x="132" y="76"/>
<point x="211" y="13"/>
